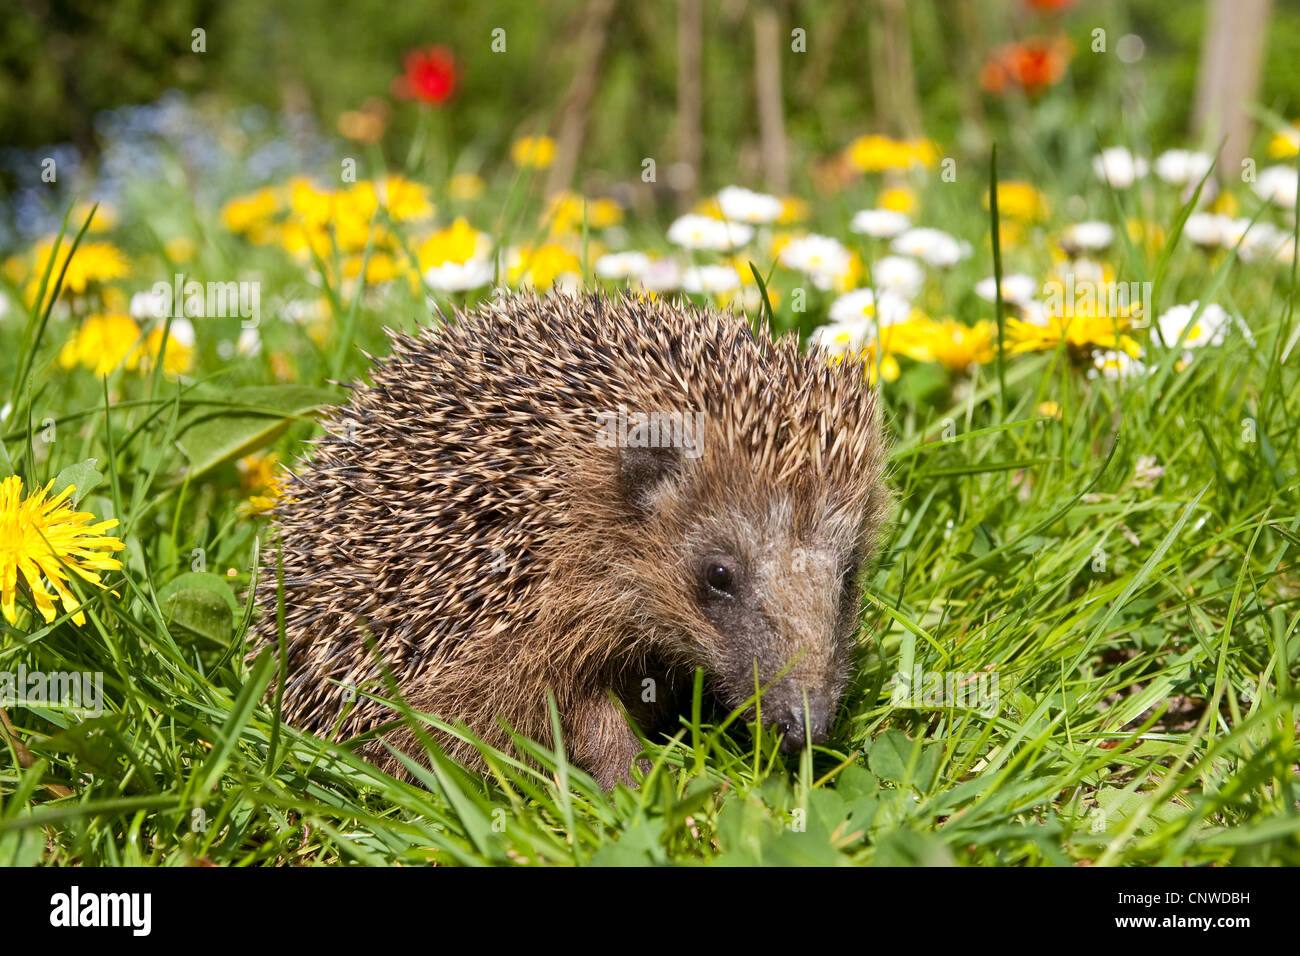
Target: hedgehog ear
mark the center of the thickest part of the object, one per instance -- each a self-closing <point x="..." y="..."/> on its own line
<point x="643" y="471"/>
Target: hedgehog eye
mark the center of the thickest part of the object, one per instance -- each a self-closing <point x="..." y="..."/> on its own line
<point x="720" y="578"/>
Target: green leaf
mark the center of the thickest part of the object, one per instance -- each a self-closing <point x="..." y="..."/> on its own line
<point x="250" y="418"/>
<point x="83" y="476"/>
<point x="889" y="756"/>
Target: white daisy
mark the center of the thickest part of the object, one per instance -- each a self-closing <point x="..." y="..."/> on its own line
<point x="711" y="279"/>
<point x="1017" y="288"/>
<point x="934" y="247"/>
<point x="899" y="275"/>
<point x="704" y="232"/>
<point x="1277" y="184"/>
<point x="1210" y="328"/>
<point x="459" y="276"/>
<point x="1182" y="167"/>
<point x="1119" y="167"/>
<point x="1089" y="236"/>
<point x="821" y="258"/>
<point x="621" y="265"/>
<point x="879" y="223"/>
<point x="739" y="204"/>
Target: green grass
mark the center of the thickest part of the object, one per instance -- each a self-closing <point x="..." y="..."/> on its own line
<point x="1143" y="628"/>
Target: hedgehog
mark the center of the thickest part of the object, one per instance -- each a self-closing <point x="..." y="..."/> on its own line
<point x="585" y="499"/>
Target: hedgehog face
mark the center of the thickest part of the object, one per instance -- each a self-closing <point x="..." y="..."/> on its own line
<point x="764" y="579"/>
<point x="779" y="601"/>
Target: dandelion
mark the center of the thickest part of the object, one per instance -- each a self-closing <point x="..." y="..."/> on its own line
<point x="744" y="205"/>
<point x="1045" y="331"/>
<point x="533" y="152"/>
<point x="94" y="262"/>
<point x="102" y="344"/>
<point x="249" y="215"/>
<point x="953" y="344"/>
<point x="464" y="187"/>
<point x="41" y="540"/>
<point x="897" y="199"/>
<point x="694" y="231"/>
<point x="879" y="223"/>
<point x="262" y="481"/>
<point x="179" y="357"/>
<point x="405" y="201"/>
<point x="456" y="258"/>
<point x="1019" y="201"/>
<point x="1285" y="142"/>
<point x="541" y="266"/>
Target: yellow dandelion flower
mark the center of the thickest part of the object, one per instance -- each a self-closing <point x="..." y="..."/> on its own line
<point x="793" y="209"/>
<point x="102" y="344"/>
<point x="42" y="540"/>
<point x="251" y="212"/>
<point x="564" y="213"/>
<point x="180" y="249"/>
<point x="178" y="361"/>
<point x="540" y="266"/>
<point x="1081" y="333"/>
<point x="458" y="243"/>
<point x="465" y="186"/>
<point x="1285" y="142"/>
<point x="93" y="262"/>
<point x="1019" y="201"/>
<point x="535" y="151"/>
<point x="262" y="481"/>
<point x="405" y="201"/>
<point x="1050" y="410"/>
<point x="106" y="216"/>
<point x="958" y="346"/>
<point x="897" y="198"/>
<point x="875" y="153"/>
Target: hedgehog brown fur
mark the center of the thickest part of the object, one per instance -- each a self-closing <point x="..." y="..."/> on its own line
<point x="466" y="517"/>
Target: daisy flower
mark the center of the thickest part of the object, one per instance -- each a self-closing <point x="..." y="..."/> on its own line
<point x="1182" y="167"/>
<point x="744" y="205"/>
<point x="1119" y="167"/>
<point x="934" y="247"/>
<point x="879" y="223"/>
<point x="694" y="231"/>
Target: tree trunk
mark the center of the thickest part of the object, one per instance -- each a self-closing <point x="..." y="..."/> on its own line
<point x="690" y="95"/>
<point x="1228" y="81"/>
<point x="767" y="86"/>
<point x="577" y="103"/>
<point x="892" y="83"/>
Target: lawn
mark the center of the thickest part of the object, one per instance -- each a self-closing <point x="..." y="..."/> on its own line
<point x="1079" y="643"/>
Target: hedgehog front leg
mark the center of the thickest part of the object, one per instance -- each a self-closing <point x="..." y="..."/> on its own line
<point x="600" y="741"/>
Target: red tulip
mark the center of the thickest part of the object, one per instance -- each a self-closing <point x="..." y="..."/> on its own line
<point x="430" y="76"/>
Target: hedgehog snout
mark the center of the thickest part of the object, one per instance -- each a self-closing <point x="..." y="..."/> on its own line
<point x="788" y="714"/>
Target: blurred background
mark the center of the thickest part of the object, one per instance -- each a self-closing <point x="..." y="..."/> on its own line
<point x="285" y="86"/>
